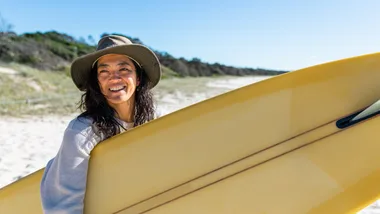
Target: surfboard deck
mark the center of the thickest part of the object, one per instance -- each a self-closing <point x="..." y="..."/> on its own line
<point x="302" y="175"/>
<point x="268" y="147"/>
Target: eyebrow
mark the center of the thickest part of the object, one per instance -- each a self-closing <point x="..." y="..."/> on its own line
<point x="119" y="64"/>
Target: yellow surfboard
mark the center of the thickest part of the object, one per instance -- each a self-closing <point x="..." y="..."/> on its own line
<point x="301" y="142"/>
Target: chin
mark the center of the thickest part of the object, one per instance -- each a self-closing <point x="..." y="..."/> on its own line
<point x="119" y="100"/>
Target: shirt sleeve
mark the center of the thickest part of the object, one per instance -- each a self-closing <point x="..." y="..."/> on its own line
<point x="63" y="184"/>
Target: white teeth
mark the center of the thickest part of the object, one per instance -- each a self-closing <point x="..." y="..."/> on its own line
<point x="117" y="88"/>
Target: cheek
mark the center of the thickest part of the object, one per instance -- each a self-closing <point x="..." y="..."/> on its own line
<point x="131" y="79"/>
<point x="102" y="85"/>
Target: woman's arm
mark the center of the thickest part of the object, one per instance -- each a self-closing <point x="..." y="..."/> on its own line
<point x="63" y="184"/>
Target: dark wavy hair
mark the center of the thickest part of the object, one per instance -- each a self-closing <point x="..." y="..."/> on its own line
<point x="94" y="105"/>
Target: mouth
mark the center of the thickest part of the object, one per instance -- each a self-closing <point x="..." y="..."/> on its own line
<point x="117" y="88"/>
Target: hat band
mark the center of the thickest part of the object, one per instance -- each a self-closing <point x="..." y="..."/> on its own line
<point x="124" y="55"/>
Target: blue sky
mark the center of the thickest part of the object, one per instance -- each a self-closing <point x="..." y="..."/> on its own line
<point x="287" y="34"/>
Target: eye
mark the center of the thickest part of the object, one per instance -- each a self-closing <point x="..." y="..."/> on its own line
<point x="103" y="71"/>
<point x="125" y="69"/>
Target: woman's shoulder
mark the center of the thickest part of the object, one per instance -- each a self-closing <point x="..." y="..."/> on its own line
<point x="81" y="125"/>
<point x="80" y="130"/>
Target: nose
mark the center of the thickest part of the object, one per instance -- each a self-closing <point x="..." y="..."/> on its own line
<point x="115" y="75"/>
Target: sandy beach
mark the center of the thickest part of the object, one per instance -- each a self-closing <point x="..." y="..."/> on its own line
<point x="26" y="144"/>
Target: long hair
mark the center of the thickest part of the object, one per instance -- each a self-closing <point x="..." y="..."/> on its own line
<point x="94" y="105"/>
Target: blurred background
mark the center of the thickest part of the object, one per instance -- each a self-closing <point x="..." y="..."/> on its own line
<point x="206" y="48"/>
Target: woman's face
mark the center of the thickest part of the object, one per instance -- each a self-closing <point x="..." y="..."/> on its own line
<point x="117" y="78"/>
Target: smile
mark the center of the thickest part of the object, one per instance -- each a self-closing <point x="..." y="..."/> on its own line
<point x="117" y="88"/>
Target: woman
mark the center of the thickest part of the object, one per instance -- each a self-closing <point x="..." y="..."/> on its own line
<point x="116" y="80"/>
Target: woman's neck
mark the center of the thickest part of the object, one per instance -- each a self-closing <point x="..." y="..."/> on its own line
<point x="125" y="111"/>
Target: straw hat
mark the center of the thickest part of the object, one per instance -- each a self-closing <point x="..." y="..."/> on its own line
<point x="114" y="44"/>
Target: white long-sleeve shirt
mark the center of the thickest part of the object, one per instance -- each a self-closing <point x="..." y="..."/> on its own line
<point x="63" y="184"/>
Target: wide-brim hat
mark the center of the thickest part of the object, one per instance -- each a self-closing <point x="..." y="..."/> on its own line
<point x="115" y="44"/>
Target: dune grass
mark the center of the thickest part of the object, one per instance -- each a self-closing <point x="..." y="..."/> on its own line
<point x="31" y="91"/>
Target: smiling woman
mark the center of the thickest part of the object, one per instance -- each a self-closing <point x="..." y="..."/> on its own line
<point x="120" y="85"/>
<point x="116" y="80"/>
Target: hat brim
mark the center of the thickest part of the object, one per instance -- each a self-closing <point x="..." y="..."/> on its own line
<point x="82" y="66"/>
